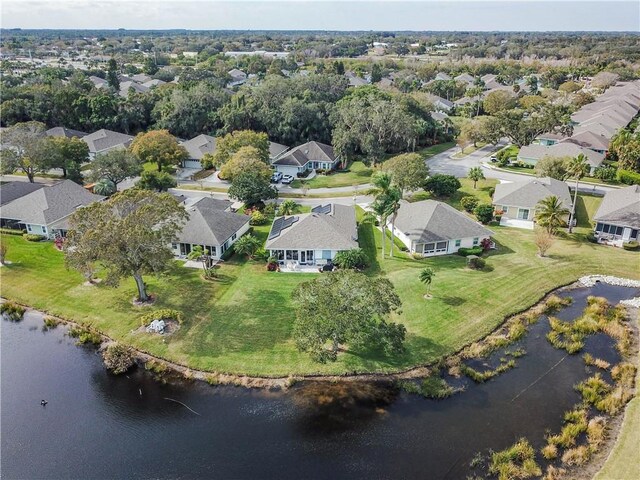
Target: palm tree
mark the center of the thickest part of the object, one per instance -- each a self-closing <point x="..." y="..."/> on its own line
<point x="550" y="213"/>
<point x="104" y="187"/>
<point x="426" y="277"/>
<point x="288" y="207"/>
<point x="475" y="174"/>
<point x="393" y="203"/>
<point x="382" y="206"/>
<point x="577" y="168"/>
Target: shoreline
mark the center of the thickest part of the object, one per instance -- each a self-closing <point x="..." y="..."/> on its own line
<point x="284" y="382"/>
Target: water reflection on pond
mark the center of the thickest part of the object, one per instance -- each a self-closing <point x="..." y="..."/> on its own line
<point x="100" y="426"/>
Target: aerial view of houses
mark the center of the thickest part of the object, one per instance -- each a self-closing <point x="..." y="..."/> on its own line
<point x="284" y="240"/>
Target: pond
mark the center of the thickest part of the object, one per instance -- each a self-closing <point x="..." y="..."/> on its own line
<point x="97" y="425"/>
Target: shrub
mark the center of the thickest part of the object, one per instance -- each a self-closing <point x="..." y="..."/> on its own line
<point x="85" y="335"/>
<point x="50" y="322"/>
<point x="442" y="185"/>
<point x="465" y="252"/>
<point x="491" y="191"/>
<point x="355" y="258"/>
<point x="627" y="177"/>
<point x="577" y="456"/>
<point x="32" y="237"/>
<point x="258" y="218"/>
<point x="162" y="314"/>
<point x="591" y="237"/>
<point x="12" y="311"/>
<point x="469" y="203"/>
<point x="12" y="231"/>
<point x="633" y="246"/>
<point x="484" y="212"/>
<point x="606" y="174"/>
<point x="476" y="263"/>
<point x="117" y="358"/>
<point x="431" y="387"/>
<point x="517" y="461"/>
<point x="156" y="367"/>
<point x="269" y="209"/>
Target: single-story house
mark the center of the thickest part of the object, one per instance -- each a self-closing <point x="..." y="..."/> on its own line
<point x="276" y="149"/>
<point x="104" y="140"/>
<point x="11" y="191"/>
<point x="355" y="80"/>
<point x="307" y="157"/>
<point x="618" y="217"/>
<point x="64" y="132"/>
<point x="465" y="78"/>
<point x="125" y="87"/>
<point x="549" y="138"/>
<point x="431" y="228"/>
<point x="211" y="225"/>
<point x="535" y="152"/>
<point x="588" y="139"/>
<point x="517" y="200"/>
<point x="197" y="147"/>
<point x="46" y="210"/>
<point x="313" y="238"/>
<point x="440" y="104"/>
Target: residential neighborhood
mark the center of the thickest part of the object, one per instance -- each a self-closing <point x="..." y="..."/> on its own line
<point x="320" y="240"/>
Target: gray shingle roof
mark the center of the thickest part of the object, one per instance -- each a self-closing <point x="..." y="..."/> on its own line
<point x="310" y="151"/>
<point x="621" y="207"/>
<point x="49" y="204"/>
<point x="528" y="193"/>
<point x="276" y="149"/>
<point x="64" y="132"/>
<point x="589" y="139"/>
<point x="210" y="224"/>
<point x="104" y="139"/>
<point x="432" y="221"/>
<point x="336" y="230"/>
<point x="11" y="191"/>
<point x="563" y="149"/>
<point x="198" y="146"/>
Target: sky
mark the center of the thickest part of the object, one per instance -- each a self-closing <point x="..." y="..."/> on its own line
<point x="424" y="15"/>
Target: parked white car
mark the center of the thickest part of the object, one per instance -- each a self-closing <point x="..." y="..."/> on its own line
<point x="276" y="177"/>
<point x="287" y="179"/>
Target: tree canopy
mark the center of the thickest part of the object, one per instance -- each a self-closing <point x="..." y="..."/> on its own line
<point x="232" y="142"/>
<point x="129" y="234"/>
<point x="28" y="149"/>
<point x="246" y="159"/>
<point x="159" y="147"/>
<point x="346" y="308"/>
<point x="252" y="188"/>
<point x="115" y="165"/>
<point x="408" y="171"/>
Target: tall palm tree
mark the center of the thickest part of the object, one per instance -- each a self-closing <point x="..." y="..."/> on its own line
<point x="475" y="174"/>
<point x="381" y="210"/>
<point x="426" y="277"/>
<point x="381" y="190"/>
<point x="577" y="168"/>
<point x="393" y="197"/>
<point x="550" y="213"/>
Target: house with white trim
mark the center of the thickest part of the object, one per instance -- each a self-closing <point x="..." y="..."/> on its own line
<point x="618" y="216"/>
<point x="306" y="158"/>
<point x="46" y="211"/>
<point x="432" y="228"/>
<point x="313" y="238"/>
<point x="211" y="225"/>
<point x="516" y="201"/>
<point x="104" y="140"/>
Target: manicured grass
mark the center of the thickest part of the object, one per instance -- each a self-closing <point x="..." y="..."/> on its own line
<point x="482" y="191"/>
<point x="357" y="174"/>
<point x="242" y="322"/>
<point x="586" y="207"/>
<point x="435" y="149"/>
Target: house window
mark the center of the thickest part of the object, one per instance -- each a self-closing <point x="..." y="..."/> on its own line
<point x="174" y="246"/>
<point x="504" y="208"/>
<point x="458" y="243"/>
<point x="291" y="255"/>
<point x="523" y="214"/>
<point x="429" y="248"/>
<point x="475" y="241"/>
<point x="599" y="227"/>
<point x="44" y="229"/>
<point x="233" y="237"/>
<point x="28" y="228"/>
<point x="634" y="233"/>
<point x="441" y="247"/>
<point x="326" y="254"/>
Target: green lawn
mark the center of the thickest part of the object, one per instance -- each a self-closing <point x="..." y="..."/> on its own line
<point x="242" y="322"/>
<point x="482" y="191"/>
<point x="358" y="174"/>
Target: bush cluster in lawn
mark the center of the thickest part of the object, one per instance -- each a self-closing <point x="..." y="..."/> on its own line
<point x="469" y="203"/>
<point x="32" y="237"/>
<point x="354" y="258"/>
<point x="117" y="358"/>
<point x="632" y="246"/>
<point x="517" y="461"/>
<point x="465" y="252"/>
<point x="12" y="311"/>
<point x="162" y="314"/>
<point x="12" y="231"/>
<point x="476" y="263"/>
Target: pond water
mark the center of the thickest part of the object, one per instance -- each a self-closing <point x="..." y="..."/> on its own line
<point x="97" y="425"/>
